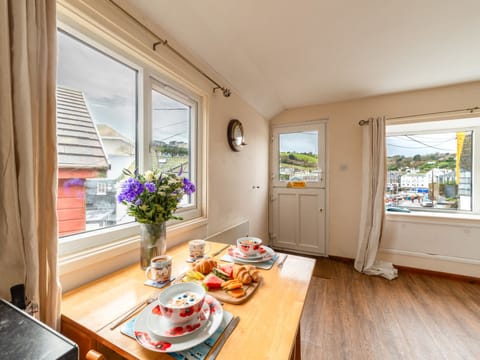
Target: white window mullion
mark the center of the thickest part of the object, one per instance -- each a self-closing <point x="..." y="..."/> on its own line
<point x="476" y="171"/>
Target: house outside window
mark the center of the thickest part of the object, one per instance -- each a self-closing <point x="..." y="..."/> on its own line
<point x="430" y="166"/>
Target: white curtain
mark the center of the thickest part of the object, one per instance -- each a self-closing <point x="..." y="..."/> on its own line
<point x="28" y="164"/>
<point x="373" y="201"/>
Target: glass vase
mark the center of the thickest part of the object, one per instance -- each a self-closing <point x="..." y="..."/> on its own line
<point x="153" y="242"/>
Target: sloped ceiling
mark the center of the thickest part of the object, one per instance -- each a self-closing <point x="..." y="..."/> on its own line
<point x="280" y="54"/>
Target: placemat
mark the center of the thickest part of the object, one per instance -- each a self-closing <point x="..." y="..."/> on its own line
<point x="158" y="284"/>
<point x="266" y="265"/>
<point x="198" y="352"/>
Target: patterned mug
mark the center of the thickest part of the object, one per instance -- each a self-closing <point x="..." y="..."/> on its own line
<point x="160" y="268"/>
<point x="197" y="248"/>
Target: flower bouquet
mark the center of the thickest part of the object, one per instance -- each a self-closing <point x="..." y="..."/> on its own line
<point x="152" y="198"/>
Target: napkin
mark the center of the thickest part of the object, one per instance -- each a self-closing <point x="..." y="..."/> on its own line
<point x="266" y="265"/>
<point x="198" y="352"/>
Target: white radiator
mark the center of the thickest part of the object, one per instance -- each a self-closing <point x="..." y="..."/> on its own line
<point x="231" y="234"/>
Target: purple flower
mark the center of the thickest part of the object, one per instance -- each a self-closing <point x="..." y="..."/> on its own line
<point x="73" y="182"/>
<point x="138" y="202"/>
<point x="131" y="189"/>
<point x="150" y="186"/>
<point x="188" y="186"/>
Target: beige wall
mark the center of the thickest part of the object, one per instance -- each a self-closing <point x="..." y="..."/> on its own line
<point x="344" y="139"/>
<point x="233" y="195"/>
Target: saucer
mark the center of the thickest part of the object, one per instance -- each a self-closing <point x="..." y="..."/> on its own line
<point x="159" y="325"/>
<point x="237" y="253"/>
<point x="193" y="259"/>
<point x="149" y="340"/>
<point x="269" y="253"/>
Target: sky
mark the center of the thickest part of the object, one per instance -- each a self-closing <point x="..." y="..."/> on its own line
<point x="110" y="88"/>
<point x="411" y="145"/>
<point x="302" y="142"/>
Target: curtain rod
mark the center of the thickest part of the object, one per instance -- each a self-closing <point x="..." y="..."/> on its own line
<point x="470" y="110"/>
<point x="226" y="92"/>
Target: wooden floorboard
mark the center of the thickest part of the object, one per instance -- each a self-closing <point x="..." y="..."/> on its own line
<point x="349" y="315"/>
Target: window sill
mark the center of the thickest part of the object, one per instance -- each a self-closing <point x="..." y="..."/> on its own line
<point x="121" y="253"/>
<point x="437" y="218"/>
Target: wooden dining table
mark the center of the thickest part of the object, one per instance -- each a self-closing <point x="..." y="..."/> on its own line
<point x="269" y="326"/>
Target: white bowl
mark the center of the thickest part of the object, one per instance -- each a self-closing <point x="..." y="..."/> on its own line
<point x="180" y="302"/>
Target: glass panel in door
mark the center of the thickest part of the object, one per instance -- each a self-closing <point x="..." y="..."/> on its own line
<point x="298" y="156"/>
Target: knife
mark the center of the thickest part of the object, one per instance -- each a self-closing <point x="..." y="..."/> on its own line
<point x="219" y="251"/>
<point x="226" y="334"/>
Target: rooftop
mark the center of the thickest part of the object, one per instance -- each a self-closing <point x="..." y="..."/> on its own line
<point x="78" y="142"/>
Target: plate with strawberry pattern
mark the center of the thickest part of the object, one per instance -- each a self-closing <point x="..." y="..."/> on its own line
<point x="151" y="340"/>
<point x="265" y="255"/>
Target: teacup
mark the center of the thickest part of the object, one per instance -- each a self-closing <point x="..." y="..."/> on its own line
<point x="249" y="246"/>
<point x="160" y="268"/>
<point x="197" y="248"/>
<point x="180" y="302"/>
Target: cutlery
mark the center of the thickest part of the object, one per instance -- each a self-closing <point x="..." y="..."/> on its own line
<point x="121" y="318"/>
<point x="228" y="330"/>
<point x="219" y="251"/>
<point x="179" y="277"/>
<point x="132" y="311"/>
<point x="280" y="263"/>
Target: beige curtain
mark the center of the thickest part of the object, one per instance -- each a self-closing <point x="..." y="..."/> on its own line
<point x="373" y="201"/>
<point x="28" y="224"/>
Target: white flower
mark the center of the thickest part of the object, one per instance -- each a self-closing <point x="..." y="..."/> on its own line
<point x="149" y="176"/>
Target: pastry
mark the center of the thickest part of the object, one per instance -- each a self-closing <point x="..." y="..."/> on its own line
<point x="240" y="272"/>
<point x="205" y="266"/>
<point x="253" y="271"/>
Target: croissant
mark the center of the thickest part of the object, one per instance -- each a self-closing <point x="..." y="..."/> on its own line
<point x="253" y="271"/>
<point x="204" y="266"/>
<point x="241" y="273"/>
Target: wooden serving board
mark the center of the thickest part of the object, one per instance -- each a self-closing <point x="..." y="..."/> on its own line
<point x="222" y="295"/>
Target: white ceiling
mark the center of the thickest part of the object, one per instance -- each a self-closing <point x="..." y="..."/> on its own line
<point x="279" y="54"/>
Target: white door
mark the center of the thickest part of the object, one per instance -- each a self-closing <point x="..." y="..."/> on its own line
<point x="297" y="214"/>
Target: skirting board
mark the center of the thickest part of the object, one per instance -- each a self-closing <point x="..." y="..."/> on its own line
<point x="469" y="268"/>
<point x="472" y="279"/>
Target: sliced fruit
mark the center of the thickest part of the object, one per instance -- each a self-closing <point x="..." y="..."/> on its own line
<point x="193" y="275"/>
<point x="213" y="281"/>
<point x="221" y="274"/>
<point x="227" y="269"/>
<point x="236" y="293"/>
<point x="232" y="284"/>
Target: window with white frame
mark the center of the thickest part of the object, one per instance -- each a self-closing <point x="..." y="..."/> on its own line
<point x="104" y="124"/>
<point x="433" y="166"/>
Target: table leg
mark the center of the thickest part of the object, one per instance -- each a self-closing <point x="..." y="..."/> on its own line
<point x="296" y="353"/>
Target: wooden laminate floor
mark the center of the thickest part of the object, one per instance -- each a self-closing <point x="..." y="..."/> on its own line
<point x="348" y="315"/>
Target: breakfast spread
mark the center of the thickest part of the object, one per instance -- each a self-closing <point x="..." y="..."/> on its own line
<point x="232" y="279"/>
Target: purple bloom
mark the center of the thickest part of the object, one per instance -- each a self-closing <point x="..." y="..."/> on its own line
<point x="188" y="186"/>
<point x="138" y="202"/>
<point x="73" y="182"/>
<point x="150" y="186"/>
<point x="131" y="189"/>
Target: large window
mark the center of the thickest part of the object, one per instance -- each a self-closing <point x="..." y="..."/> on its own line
<point x="105" y="124"/>
<point x="431" y="166"/>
